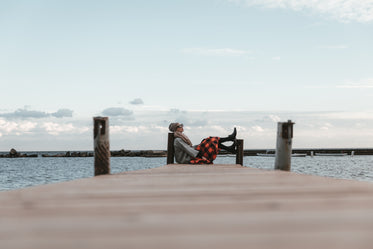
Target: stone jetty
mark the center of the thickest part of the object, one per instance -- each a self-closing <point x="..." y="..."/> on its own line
<point x="120" y="153"/>
<point x="15" y="154"/>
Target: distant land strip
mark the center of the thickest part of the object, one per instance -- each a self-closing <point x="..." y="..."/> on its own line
<point x="163" y="153"/>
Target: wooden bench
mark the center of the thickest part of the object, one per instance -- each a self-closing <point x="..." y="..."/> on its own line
<point x="171" y="152"/>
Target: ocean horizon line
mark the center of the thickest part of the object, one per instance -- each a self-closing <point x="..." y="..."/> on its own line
<point x="12" y="153"/>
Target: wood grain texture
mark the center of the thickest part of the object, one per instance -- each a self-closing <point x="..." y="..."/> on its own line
<point x="190" y="206"/>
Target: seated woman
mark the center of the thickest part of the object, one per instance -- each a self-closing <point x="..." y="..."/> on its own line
<point x="205" y="152"/>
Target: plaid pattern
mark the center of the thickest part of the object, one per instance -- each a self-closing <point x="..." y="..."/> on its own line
<point x="209" y="148"/>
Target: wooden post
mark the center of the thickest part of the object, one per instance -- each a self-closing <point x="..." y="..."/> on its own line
<point x="239" y="155"/>
<point x="101" y="145"/>
<point x="284" y="145"/>
<point x="170" y="148"/>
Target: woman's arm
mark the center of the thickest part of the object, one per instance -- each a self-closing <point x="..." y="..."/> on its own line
<point x="179" y="143"/>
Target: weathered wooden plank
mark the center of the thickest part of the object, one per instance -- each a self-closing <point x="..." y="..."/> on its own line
<point x="190" y="206"/>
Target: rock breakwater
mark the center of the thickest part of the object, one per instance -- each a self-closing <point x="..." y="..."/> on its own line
<point x="15" y="154"/>
<point x="120" y="153"/>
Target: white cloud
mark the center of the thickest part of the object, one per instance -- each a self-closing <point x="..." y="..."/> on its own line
<point x="133" y="129"/>
<point x="117" y="111"/>
<point x="365" y="83"/>
<point x="137" y="101"/>
<point x="342" y="10"/>
<point x="118" y="129"/>
<point x="316" y="87"/>
<point x="27" y="126"/>
<point x="357" y="84"/>
<point x="177" y="111"/>
<point x="63" y="113"/>
<point x="257" y="128"/>
<point x="341" y="46"/>
<point x="216" y="52"/>
<point x="217" y="129"/>
<point x="55" y="128"/>
<point x="276" y="58"/>
<point x="347" y="116"/>
<point x="271" y="118"/>
<point x="9" y="127"/>
<point x="326" y="126"/>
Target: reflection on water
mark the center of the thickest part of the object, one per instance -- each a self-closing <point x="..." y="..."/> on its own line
<point x="24" y="172"/>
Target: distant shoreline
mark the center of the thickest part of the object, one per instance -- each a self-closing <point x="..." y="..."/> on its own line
<point x="163" y="153"/>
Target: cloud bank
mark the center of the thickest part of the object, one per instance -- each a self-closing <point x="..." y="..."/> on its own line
<point x="25" y="113"/>
<point x="341" y="10"/>
<point x="147" y="129"/>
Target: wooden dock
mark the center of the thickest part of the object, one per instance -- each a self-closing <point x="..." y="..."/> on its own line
<point x="186" y="206"/>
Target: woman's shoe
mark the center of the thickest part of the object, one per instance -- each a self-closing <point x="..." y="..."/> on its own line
<point x="232" y="149"/>
<point x="233" y="135"/>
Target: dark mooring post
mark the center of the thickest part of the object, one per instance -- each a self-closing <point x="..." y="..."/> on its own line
<point x="239" y="155"/>
<point x="284" y="145"/>
<point x="101" y="145"/>
<point x="170" y="148"/>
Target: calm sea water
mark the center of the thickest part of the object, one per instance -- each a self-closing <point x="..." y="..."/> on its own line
<point x="24" y="172"/>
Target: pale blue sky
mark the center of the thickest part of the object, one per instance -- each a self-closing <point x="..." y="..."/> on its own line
<point x="213" y="64"/>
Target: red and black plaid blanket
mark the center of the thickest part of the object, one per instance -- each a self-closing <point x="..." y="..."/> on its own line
<point x="209" y="148"/>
